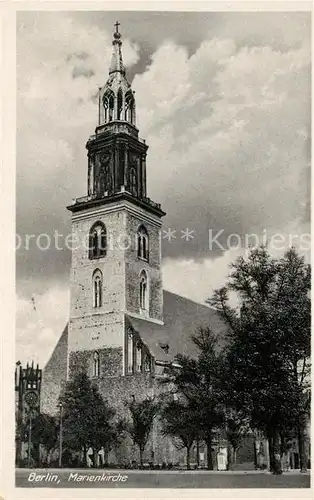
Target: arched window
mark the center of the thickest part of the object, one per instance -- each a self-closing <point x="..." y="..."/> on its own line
<point x="106" y="108"/>
<point x="147" y="363"/>
<point x="139" y="357"/>
<point x="97" y="288"/>
<point x="97" y="241"/>
<point x="129" y="107"/>
<point x="111" y="107"/>
<point x="143" y="292"/>
<point x="108" y="103"/>
<point x="133" y="181"/>
<point x="119" y="105"/>
<point x="130" y="352"/>
<point x="142" y="243"/>
<point x="96" y="364"/>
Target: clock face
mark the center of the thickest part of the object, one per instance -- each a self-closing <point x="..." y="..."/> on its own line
<point x="31" y="398"/>
<point x="104" y="159"/>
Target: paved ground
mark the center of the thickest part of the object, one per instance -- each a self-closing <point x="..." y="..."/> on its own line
<point x="75" y="478"/>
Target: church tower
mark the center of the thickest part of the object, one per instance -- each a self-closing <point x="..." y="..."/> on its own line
<point x="116" y="230"/>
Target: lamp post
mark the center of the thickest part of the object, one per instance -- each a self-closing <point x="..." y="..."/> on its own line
<point x="60" y="435"/>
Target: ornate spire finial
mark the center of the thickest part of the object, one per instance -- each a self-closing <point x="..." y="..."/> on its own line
<point x="116" y="100"/>
<point x="116" y="60"/>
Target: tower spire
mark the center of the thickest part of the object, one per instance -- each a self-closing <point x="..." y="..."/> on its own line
<point x="116" y="98"/>
<point x="116" y="58"/>
<point x="116" y="154"/>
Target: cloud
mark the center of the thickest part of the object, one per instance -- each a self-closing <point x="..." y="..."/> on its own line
<point x="198" y="279"/>
<point x="60" y="65"/>
<point x="39" y="328"/>
<point x="280" y="30"/>
<point x="224" y="108"/>
<point x="236" y="158"/>
<point x="61" y="50"/>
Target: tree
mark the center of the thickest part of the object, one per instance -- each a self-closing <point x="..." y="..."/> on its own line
<point x="114" y="437"/>
<point x="87" y="418"/>
<point x="179" y="421"/>
<point x="198" y="380"/>
<point x="269" y="343"/>
<point x="44" y="432"/>
<point x="143" y="414"/>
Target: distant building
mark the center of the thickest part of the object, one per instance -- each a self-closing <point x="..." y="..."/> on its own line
<point x="27" y="401"/>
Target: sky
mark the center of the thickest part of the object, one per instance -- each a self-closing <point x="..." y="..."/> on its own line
<point x="223" y="101"/>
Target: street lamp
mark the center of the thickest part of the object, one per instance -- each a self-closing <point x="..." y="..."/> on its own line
<point x="60" y="435"/>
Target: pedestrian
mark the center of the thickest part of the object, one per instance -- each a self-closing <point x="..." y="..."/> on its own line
<point x="89" y="457"/>
<point x="101" y="457"/>
<point x="277" y="465"/>
<point x="260" y="460"/>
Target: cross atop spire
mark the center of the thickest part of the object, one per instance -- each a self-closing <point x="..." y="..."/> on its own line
<point x="116" y="99"/>
<point x="116" y="60"/>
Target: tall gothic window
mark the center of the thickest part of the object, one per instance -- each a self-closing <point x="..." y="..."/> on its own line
<point x="111" y="107"/>
<point x="97" y="288"/>
<point x="119" y="105"/>
<point x="97" y="241"/>
<point x="139" y="357"/>
<point x="147" y="363"/>
<point x="142" y="243"/>
<point x="133" y="181"/>
<point x="130" y="352"/>
<point x="106" y="109"/>
<point x="129" y="107"/>
<point x="108" y="102"/>
<point x="96" y="364"/>
<point x="143" y="292"/>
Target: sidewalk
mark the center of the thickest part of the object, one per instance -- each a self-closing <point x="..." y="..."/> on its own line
<point x="88" y="470"/>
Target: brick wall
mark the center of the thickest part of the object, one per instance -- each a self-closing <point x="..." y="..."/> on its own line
<point x="118" y="392"/>
<point x="96" y="331"/>
<point x="92" y="328"/>
<point x="110" y="361"/>
<point x="134" y="266"/>
<point x="246" y="452"/>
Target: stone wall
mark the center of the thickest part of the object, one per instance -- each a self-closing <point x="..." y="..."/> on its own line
<point x="134" y="266"/>
<point x="90" y="327"/>
<point x="119" y="392"/>
<point x="246" y="452"/>
<point x="110" y="360"/>
<point x="93" y="332"/>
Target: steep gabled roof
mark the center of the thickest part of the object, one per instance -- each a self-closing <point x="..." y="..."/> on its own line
<point x="182" y="317"/>
<point x="54" y="375"/>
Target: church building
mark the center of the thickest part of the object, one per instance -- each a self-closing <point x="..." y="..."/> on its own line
<point x="123" y="328"/>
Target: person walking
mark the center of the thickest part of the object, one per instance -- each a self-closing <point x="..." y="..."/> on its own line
<point x="89" y="457"/>
<point x="101" y="457"/>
